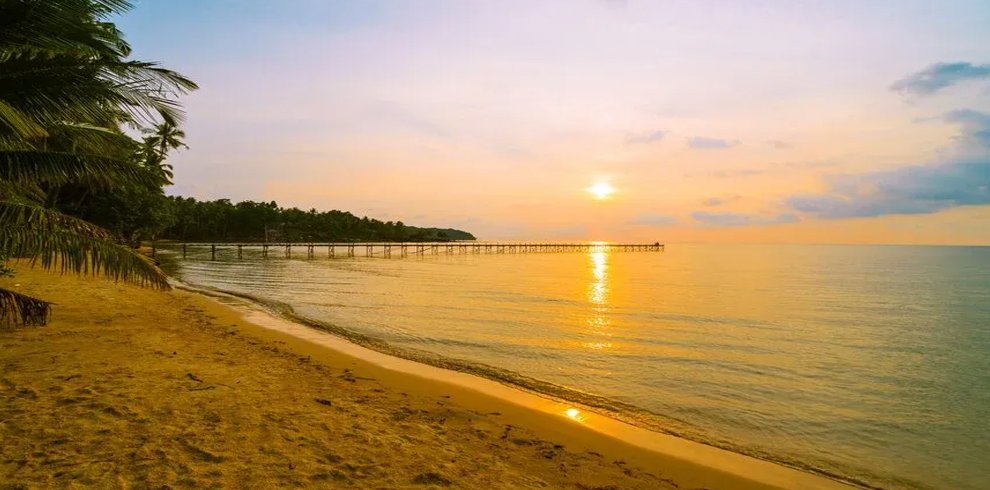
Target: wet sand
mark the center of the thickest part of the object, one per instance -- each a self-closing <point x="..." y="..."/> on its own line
<point x="130" y="387"/>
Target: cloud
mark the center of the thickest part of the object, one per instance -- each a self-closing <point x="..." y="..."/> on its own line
<point x="939" y="76"/>
<point x="617" y="4"/>
<point x="718" y="201"/>
<point x="570" y="231"/>
<point x="396" y="115"/>
<point x="742" y="172"/>
<point x="741" y="219"/>
<point x="779" y="144"/>
<point x="920" y="189"/>
<point x="652" y="219"/>
<point x="975" y="125"/>
<point x="770" y="168"/>
<point x="706" y="143"/>
<point x="646" y="138"/>
<point x="962" y="180"/>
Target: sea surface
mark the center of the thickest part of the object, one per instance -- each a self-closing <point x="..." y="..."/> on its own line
<point x="867" y="363"/>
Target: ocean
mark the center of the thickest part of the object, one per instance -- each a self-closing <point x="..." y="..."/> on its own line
<point x="869" y="364"/>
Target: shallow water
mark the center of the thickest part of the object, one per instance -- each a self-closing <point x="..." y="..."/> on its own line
<point x="871" y="363"/>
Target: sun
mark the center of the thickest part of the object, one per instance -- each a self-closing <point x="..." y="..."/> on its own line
<point x="601" y="190"/>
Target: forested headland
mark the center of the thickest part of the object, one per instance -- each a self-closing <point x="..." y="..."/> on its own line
<point x="144" y="214"/>
<point x="250" y="221"/>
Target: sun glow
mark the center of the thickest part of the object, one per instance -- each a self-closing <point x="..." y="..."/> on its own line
<point x="601" y="190"/>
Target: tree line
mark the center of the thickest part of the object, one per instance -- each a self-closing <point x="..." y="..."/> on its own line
<point x="250" y="221"/>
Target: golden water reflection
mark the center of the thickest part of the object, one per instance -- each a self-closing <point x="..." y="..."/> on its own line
<point x="598" y="296"/>
<point x="598" y="292"/>
<point x="574" y="414"/>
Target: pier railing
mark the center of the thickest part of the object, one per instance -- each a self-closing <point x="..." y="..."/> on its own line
<point x="403" y="249"/>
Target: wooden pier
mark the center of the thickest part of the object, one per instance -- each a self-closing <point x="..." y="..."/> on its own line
<point x="404" y="249"/>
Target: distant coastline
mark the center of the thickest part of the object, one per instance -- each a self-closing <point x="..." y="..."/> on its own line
<point x="222" y="220"/>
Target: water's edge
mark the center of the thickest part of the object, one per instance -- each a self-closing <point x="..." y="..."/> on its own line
<point x="606" y="407"/>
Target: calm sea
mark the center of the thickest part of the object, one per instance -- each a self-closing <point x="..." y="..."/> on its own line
<point x="871" y="363"/>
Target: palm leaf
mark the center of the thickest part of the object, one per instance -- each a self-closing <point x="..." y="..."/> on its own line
<point x="56" y="240"/>
<point x="61" y="167"/>
<point x="23" y="125"/>
<point x="94" y="91"/>
<point x="42" y="29"/>
<point x="59" y="57"/>
<point x="16" y="308"/>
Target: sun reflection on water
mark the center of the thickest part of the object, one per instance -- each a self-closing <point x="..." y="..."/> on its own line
<point x="599" y="324"/>
<point x="598" y="292"/>
<point x="573" y="413"/>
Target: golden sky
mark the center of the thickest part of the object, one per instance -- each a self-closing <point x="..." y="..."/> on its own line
<point x="834" y="122"/>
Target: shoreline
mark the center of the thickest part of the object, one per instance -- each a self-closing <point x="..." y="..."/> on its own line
<point x="139" y="386"/>
<point x="763" y="472"/>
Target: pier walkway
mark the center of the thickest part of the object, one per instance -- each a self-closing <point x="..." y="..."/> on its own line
<point x="403" y="249"/>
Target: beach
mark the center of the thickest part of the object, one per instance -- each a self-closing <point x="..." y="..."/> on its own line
<point x="130" y="387"/>
<point x="463" y="245"/>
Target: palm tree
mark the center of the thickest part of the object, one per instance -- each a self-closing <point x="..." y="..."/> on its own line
<point x="66" y="88"/>
<point x="158" y="141"/>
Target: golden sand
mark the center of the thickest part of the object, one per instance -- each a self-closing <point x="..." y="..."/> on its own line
<point x="133" y="388"/>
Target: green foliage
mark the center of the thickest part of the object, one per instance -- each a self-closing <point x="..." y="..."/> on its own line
<point x="139" y="211"/>
<point x="134" y="214"/>
<point x="62" y="61"/>
<point x="158" y="142"/>
<point x="250" y="221"/>
<point x="5" y="271"/>
<point x="66" y="90"/>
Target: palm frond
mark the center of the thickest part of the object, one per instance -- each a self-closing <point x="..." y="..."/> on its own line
<point x="61" y="167"/>
<point x="56" y="240"/>
<point x="89" y="139"/>
<point x="20" y="123"/>
<point x="20" y="309"/>
<point x="59" y="55"/>
<point x="39" y="29"/>
<point x="94" y="91"/>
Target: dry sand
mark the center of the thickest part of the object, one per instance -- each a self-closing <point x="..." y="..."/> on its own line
<point x="133" y="388"/>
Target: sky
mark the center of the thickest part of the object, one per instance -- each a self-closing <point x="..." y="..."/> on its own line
<point x="713" y="121"/>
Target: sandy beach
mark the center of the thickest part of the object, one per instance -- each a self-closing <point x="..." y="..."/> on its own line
<point x="134" y="388"/>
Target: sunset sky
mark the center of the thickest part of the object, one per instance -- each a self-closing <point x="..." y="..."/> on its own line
<point x="780" y="121"/>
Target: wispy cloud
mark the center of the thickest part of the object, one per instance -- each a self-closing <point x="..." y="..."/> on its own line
<point x="706" y="143"/>
<point x="618" y="4"/>
<point x="939" y="76"/>
<point x="718" y="201"/>
<point x="779" y="144"/>
<point x="741" y="219"/>
<point x="646" y="138"/>
<point x="770" y="168"/>
<point x="652" y="219"/>
<point x="975" y="125"/>
<point x="391" y="113"/>
<point x="741" y="172"/>
<point x="963" y="180"/>
<point x="571" y="231"/>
